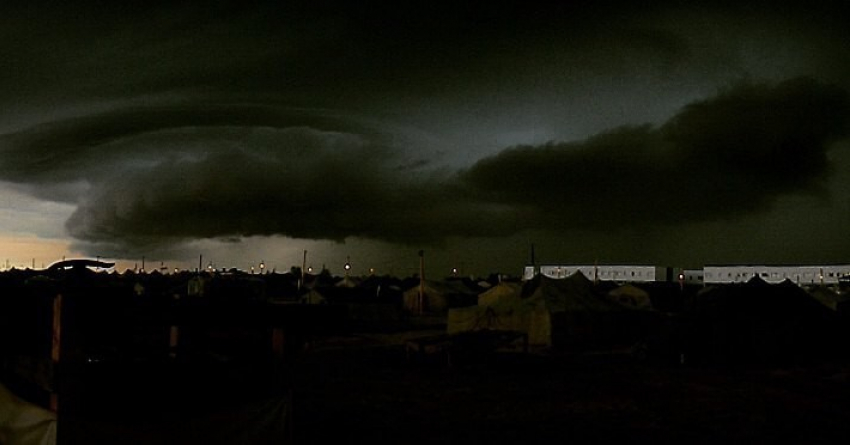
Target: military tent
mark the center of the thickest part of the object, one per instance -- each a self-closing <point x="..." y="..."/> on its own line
<point x="582" y="318"/>
<point x="499" y="292"/>
<point x="348" y="282"/>
<point x="630" y="295"/>
<point x="757" y="322"/>
<point x="558" y="312"/>
<point x="829" y="297"/>
<point x="312" y="296"/>
<point x="508" y="313"/>
<point x="439" y="296"/>
<point x="22" y="423"/>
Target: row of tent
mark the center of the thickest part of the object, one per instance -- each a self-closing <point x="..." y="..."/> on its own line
<point x="760" y="322"/>
<point x="564" y="312"/>
<point x="749" y="322"/>
<point x="710" y="323"/>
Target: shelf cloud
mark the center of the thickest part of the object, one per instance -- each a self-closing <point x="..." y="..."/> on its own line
<point x="167" y="175"/>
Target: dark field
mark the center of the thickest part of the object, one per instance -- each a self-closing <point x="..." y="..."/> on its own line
<point x="363" y="390"/>
<point x="763" y="364"/>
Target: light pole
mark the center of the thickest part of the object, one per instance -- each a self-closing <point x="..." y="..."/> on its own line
<point x="421" y="281"/>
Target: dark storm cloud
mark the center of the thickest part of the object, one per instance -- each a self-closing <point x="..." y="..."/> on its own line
<point x="192" y="142"/>
<point x="64" y="52"/>
<point x="356" y="54"/>
<point x="724" y="157"/>
<point x="297" y="182"/>
<point x="224" y="174"/>
<point x="80" y="149"/>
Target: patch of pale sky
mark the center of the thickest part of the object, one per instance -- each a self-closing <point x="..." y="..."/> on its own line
<point x="22" y="214"/>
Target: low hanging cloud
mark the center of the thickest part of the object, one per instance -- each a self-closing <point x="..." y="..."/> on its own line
<point x="153" y="178"/>
<point x="91" y="147"/>
<point x="298" y="182"/>
<point x="720" y="158"/>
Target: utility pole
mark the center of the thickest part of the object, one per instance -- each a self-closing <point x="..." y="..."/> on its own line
<point x="595" y="271"/>
<point x="421" y="281"/>
<point x="303" y="271"/>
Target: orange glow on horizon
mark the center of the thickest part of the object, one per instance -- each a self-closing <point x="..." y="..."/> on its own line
<point x="20" y="251"/>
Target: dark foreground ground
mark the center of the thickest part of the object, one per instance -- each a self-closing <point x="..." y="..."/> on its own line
<point x="364" y="390"/>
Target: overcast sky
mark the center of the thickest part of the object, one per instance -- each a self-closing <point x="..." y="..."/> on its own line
<point x="671" y="134"/>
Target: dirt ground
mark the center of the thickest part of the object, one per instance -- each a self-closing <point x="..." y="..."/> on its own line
<point x="363" y="389"/>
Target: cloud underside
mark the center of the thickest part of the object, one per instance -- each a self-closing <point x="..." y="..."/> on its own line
<point x="162" y="176"/>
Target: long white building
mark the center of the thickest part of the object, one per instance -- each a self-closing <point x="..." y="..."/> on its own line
<point x="714" y="274"/>
<point x="801" y="275"/>
<point x="620" y="273"/>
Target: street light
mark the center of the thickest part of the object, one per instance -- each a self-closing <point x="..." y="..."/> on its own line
<point x="262" y="266"/>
